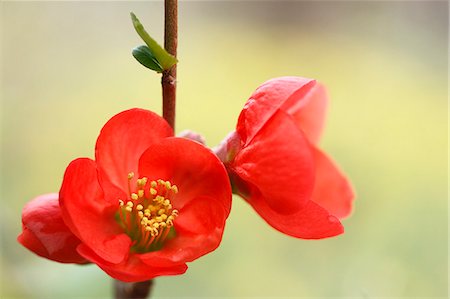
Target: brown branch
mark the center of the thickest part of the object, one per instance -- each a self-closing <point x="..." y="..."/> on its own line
<point x="169" y="78"/>
<point x="132" y="290"/>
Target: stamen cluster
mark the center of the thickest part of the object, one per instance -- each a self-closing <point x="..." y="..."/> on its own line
<point x="147" y="216"/>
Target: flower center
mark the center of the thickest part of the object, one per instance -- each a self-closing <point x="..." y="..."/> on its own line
<point x="147" y="216"/>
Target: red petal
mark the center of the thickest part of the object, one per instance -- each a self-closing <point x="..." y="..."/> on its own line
<point x="89" y="215"/>
<point x="191" y="166"/>
<point x="122" y="141"/>
<point x="45" y="233"/>
<point x="311" y="111"/>
<point x="285" y="93"/>
<point x="310" y="222"/>
<point x="332" y="189"/>
<point x="278" y="165"/>
<point x="131" y="270"/>
<point x="199" y="230"/>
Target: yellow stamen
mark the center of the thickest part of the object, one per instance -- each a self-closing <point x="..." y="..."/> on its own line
<point x="151" y="214"/>
<point x="174" y="189"/>
<point x="168" y="185"/>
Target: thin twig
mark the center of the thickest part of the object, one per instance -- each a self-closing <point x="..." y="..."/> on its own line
<point x="169" y="78"/>
<point x="132" y="290"/>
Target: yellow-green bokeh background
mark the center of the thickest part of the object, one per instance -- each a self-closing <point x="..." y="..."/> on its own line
<point x="67" y="68"/>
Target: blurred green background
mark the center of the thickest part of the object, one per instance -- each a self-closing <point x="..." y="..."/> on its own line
<point x="67" y="68"/>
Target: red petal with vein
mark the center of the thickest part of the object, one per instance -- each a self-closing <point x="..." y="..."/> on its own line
<point x="132" y="269"/>
<point x="332" y="190"/>
<point x="199" y="230"/>
<point x="310" y="112"/>
<point x="310" y="222"/>
<point x="122" y="141"/>
<point x="189" y="165"/>
<point x="45" y="233"/>
<point x="285" y="93"/>
<point x="89" y="215"/>
<point x="278" y="164"/>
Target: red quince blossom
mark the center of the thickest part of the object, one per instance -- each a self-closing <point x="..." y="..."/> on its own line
<point x="146" y="206"/>
<point x="45" y="233"/>
<point x="274" y="163"/>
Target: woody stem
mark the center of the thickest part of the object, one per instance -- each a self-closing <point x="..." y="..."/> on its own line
<point x="169" y="83"/>
<point x="135" y="290"/>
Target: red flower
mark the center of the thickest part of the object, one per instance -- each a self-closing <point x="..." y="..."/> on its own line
<point x="274" y="163"/>
<point x="46" y="234"/>
<point x="148" y="204"/>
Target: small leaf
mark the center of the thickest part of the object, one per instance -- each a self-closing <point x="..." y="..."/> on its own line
<point x="164" y="59"/>
<point x="145" y="57"/>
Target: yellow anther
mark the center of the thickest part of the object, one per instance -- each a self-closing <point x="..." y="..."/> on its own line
<point x="168" y="185"/>
<point x="151" y="213"/>
<point x="174" y="189"/>
<point x="141" y="182"/>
